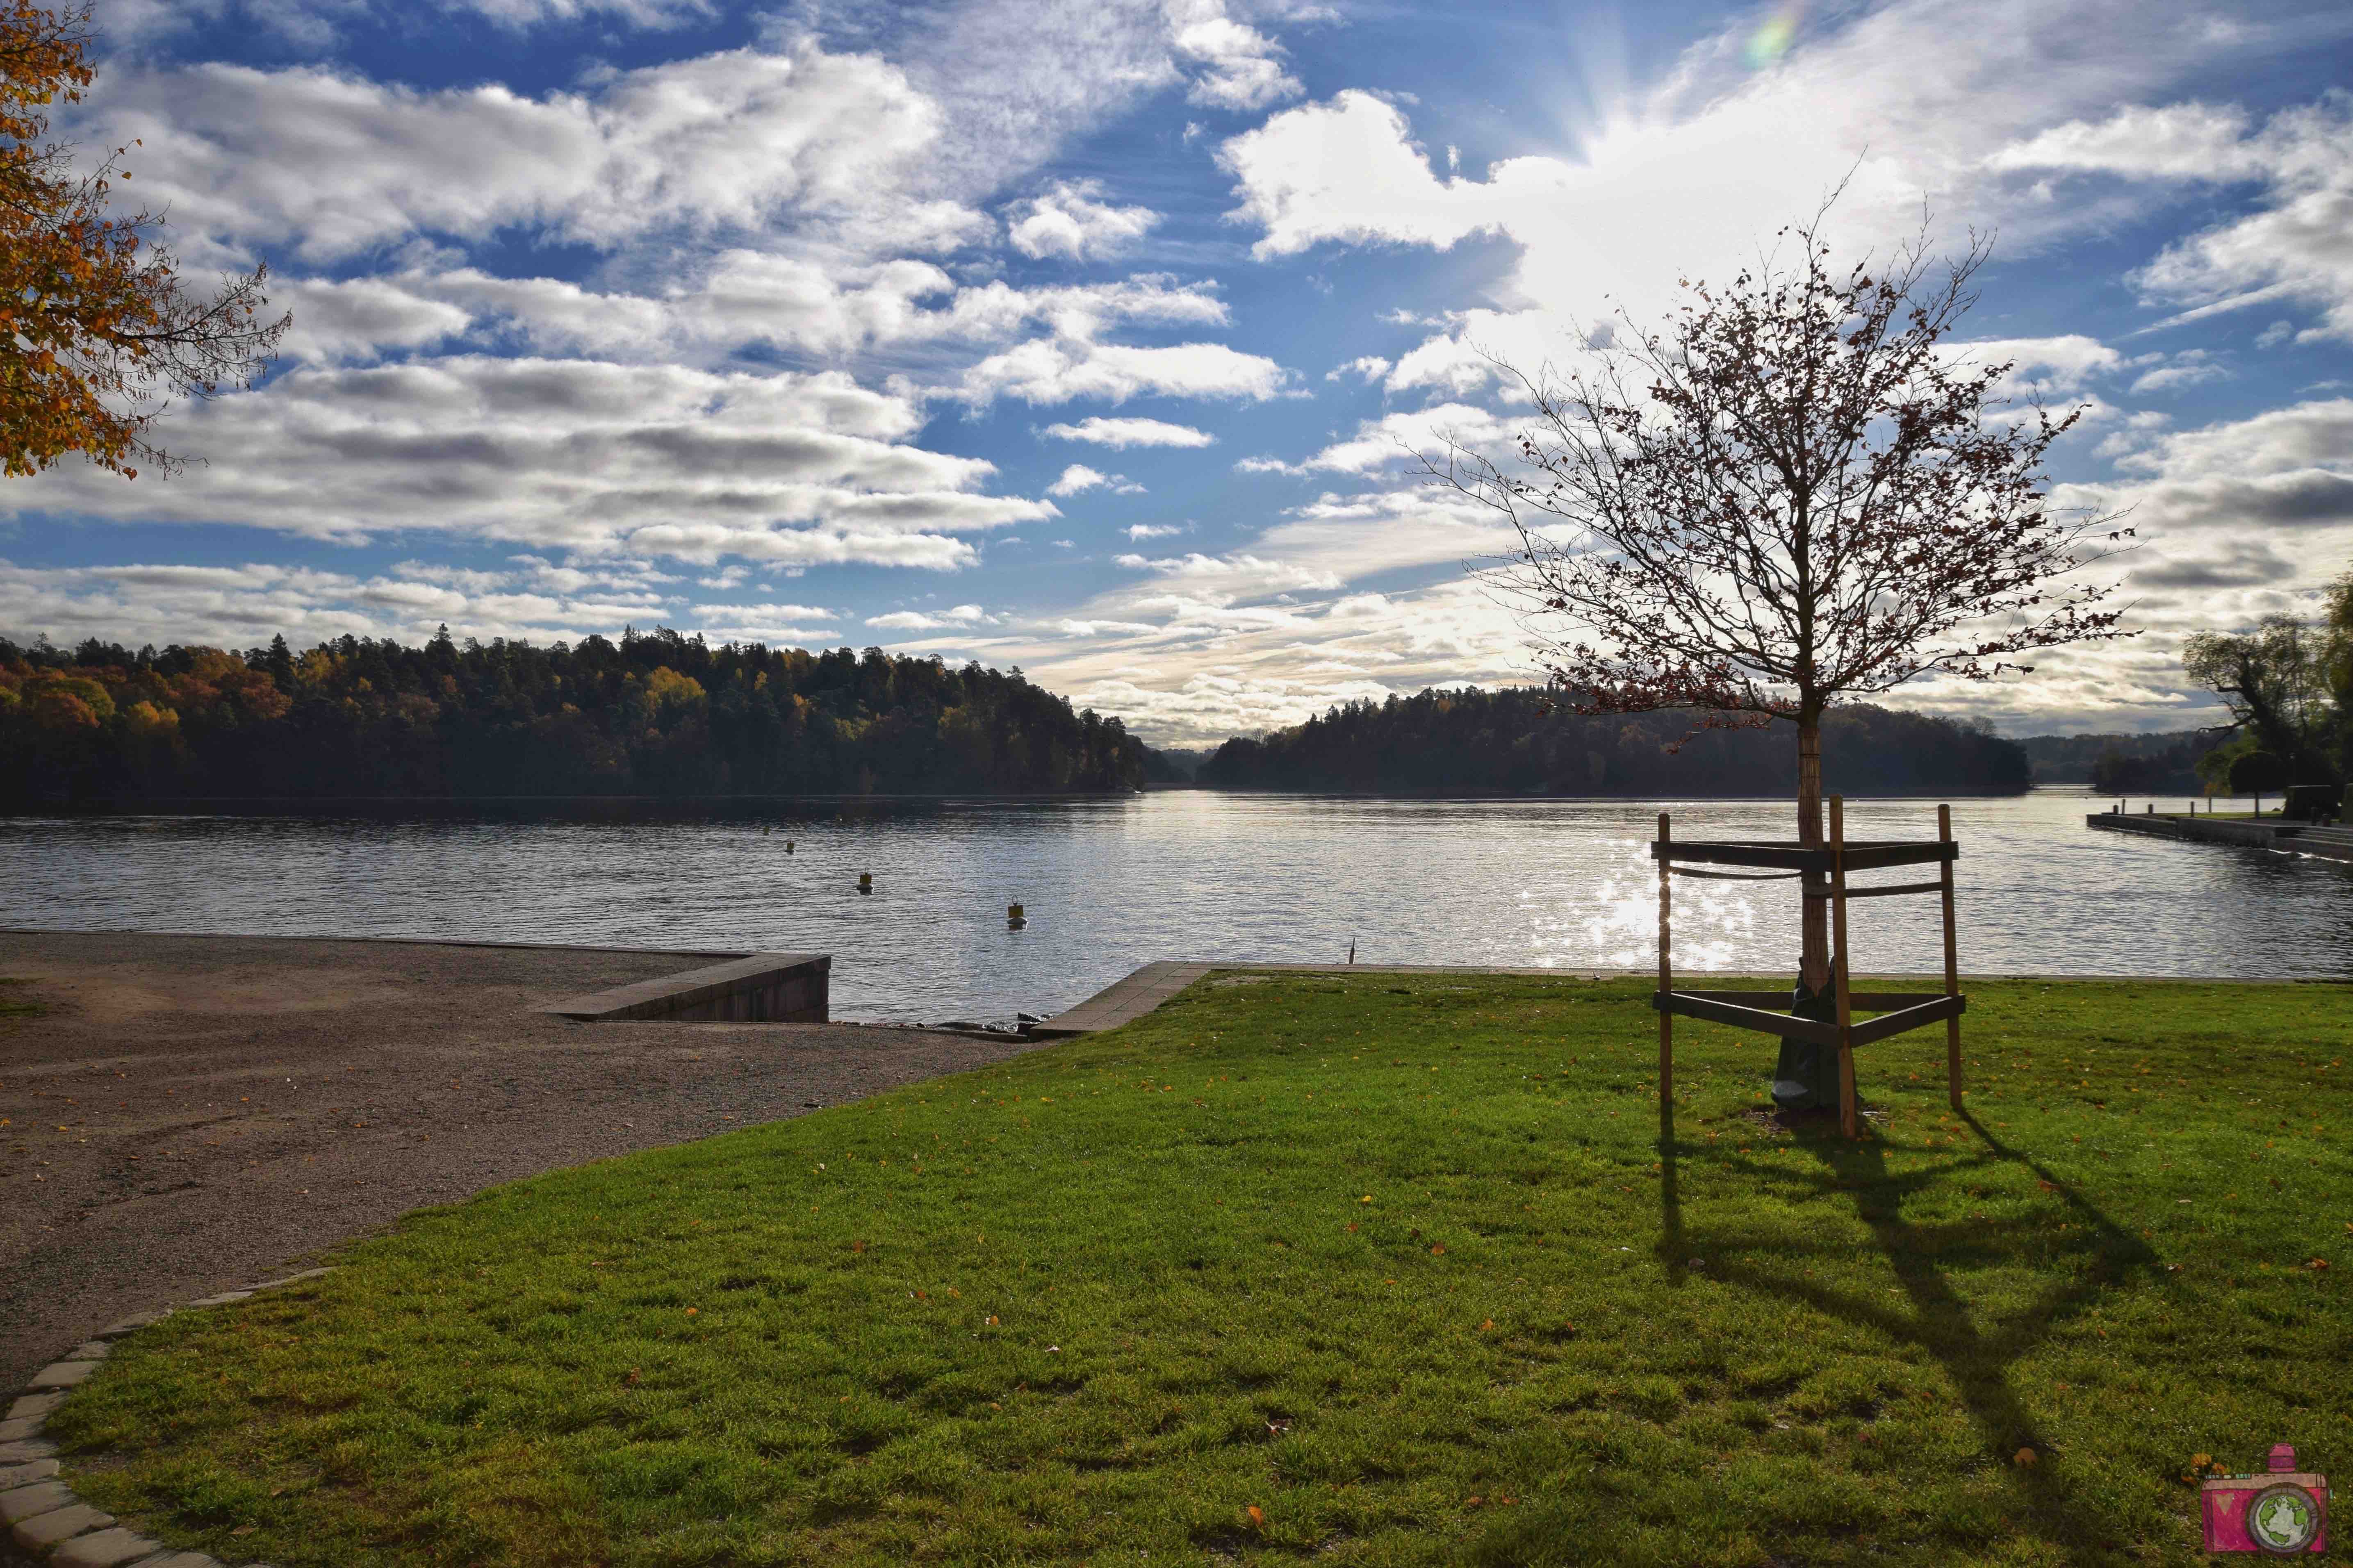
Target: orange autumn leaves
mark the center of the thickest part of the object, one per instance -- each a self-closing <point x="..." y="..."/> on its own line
<point x="97" y="332"/>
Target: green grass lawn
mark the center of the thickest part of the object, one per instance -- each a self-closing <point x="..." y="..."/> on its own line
<point x="1366" y="1270"/>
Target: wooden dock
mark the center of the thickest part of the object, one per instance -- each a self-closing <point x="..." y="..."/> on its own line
<point x="2285" y="839"/>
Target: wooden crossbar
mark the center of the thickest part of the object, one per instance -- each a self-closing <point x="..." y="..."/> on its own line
<point x="1903" y="1011"/>
<point x="1825" y="869"/>
<point x="1863" y="1001"/>
<point x="1887" y="892"/>
<point x="1742" y="1017"/>
<point x="1934" y="1009"/>
<point x="1804" y="858"/>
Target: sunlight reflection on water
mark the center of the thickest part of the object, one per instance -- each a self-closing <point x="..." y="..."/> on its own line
<point x="1111" y="884"/>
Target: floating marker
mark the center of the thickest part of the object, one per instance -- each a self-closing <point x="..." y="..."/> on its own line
<point x="866" y="881"/>
<point x="1014" y="918"/>
<point x="789" y="846"/>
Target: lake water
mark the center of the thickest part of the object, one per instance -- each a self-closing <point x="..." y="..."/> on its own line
<point x="1112" y="884"/>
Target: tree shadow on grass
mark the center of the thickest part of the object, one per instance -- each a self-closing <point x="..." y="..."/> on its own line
<point x="1977" y="1357"/>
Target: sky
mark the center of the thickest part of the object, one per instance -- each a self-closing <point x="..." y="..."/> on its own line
<point x="1093" y="337"/>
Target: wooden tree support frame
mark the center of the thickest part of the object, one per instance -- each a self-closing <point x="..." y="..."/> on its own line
<point x="1825" y="869"/>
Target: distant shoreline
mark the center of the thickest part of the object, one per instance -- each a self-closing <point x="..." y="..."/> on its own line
<point x="650" y="806"/>
<point x="319" y="805"/>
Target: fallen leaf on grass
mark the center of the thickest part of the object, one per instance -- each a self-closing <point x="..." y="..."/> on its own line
<point x="2024" y="1459"/>
<point x="1487" y="1325"/>
<point x="633" y="1379"/>
<point x="992" y="1322"/>
<point x="1257" y="1518"/>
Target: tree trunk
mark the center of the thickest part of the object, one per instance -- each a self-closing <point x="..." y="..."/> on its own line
<point x="1814" y="944"/>
<point x="1805" y="1077"/>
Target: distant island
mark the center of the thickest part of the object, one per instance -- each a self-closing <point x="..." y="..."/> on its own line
<point x="1468" y="741"/>
<point x="654" y="713"/>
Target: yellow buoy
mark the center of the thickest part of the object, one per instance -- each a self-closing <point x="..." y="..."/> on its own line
<point x="866" y="881"/>
<point x="1014" y="918"/>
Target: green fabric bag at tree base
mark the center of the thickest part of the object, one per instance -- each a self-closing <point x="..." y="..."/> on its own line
<point x="1806" y="1077"/>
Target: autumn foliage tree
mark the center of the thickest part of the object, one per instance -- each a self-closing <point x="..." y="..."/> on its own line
<point x="97" y="331"/>
<point x="1796" y="494"/>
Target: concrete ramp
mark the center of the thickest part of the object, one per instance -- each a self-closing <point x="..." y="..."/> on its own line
<point x="759" y="988"/>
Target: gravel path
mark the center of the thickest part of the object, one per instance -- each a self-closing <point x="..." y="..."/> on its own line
<point x="194" y="1112"/>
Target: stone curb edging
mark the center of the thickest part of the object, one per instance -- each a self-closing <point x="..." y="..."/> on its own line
<point x="44" y="1518"/>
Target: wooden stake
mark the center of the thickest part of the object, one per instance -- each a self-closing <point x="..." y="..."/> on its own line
<point x="1839" y="968"/>
<point x="1666" y="976"/>
<point x="1952" y="966"/>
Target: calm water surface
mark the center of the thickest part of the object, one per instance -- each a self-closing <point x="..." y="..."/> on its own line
<point x="1111" y="884"/>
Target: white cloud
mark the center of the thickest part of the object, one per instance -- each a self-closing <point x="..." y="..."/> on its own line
<point x="1122" y="434"/>
<point x="2286" y="475"/>
<point x="793" y="469"/>
<point x="637" y="13"/>
<point x="2048" y="366"/>
<point x="1069" y="219"/>
<point x="1061" y="370"/>
<point x="242" y="607"/>
<point x="2179" y="141"/>
<point x="316" y="24"/>
<point x="1142" y="530"/>
<point x="740" y="137"/>
<point x="755" y="296"/>
<point x="1904" y="103"/>
<point x="1078" y="477"/>
<point x="1241" y="67"/>
<point x="769" y="612"/>
<point x="1348" y="171"/>
<point x="962" y="615"/>
<point x="1398" y="440"/>
<point x="2172" y="377"/>
<point x="359" y="318"/>
<point x="1370" y="367"/>
<point x="2296" y="245"/>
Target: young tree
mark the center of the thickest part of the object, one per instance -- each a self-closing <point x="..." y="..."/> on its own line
<point x="97" y="333"/>
<point x="1795" y="494"/>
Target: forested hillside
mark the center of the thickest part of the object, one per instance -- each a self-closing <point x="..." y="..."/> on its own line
<point x="652" y="715"/>
<point x="1471" y="742"/>
<point x="2124" y="764"/>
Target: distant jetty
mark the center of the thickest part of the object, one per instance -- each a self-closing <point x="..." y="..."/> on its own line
<point x="2287" y="838"/>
